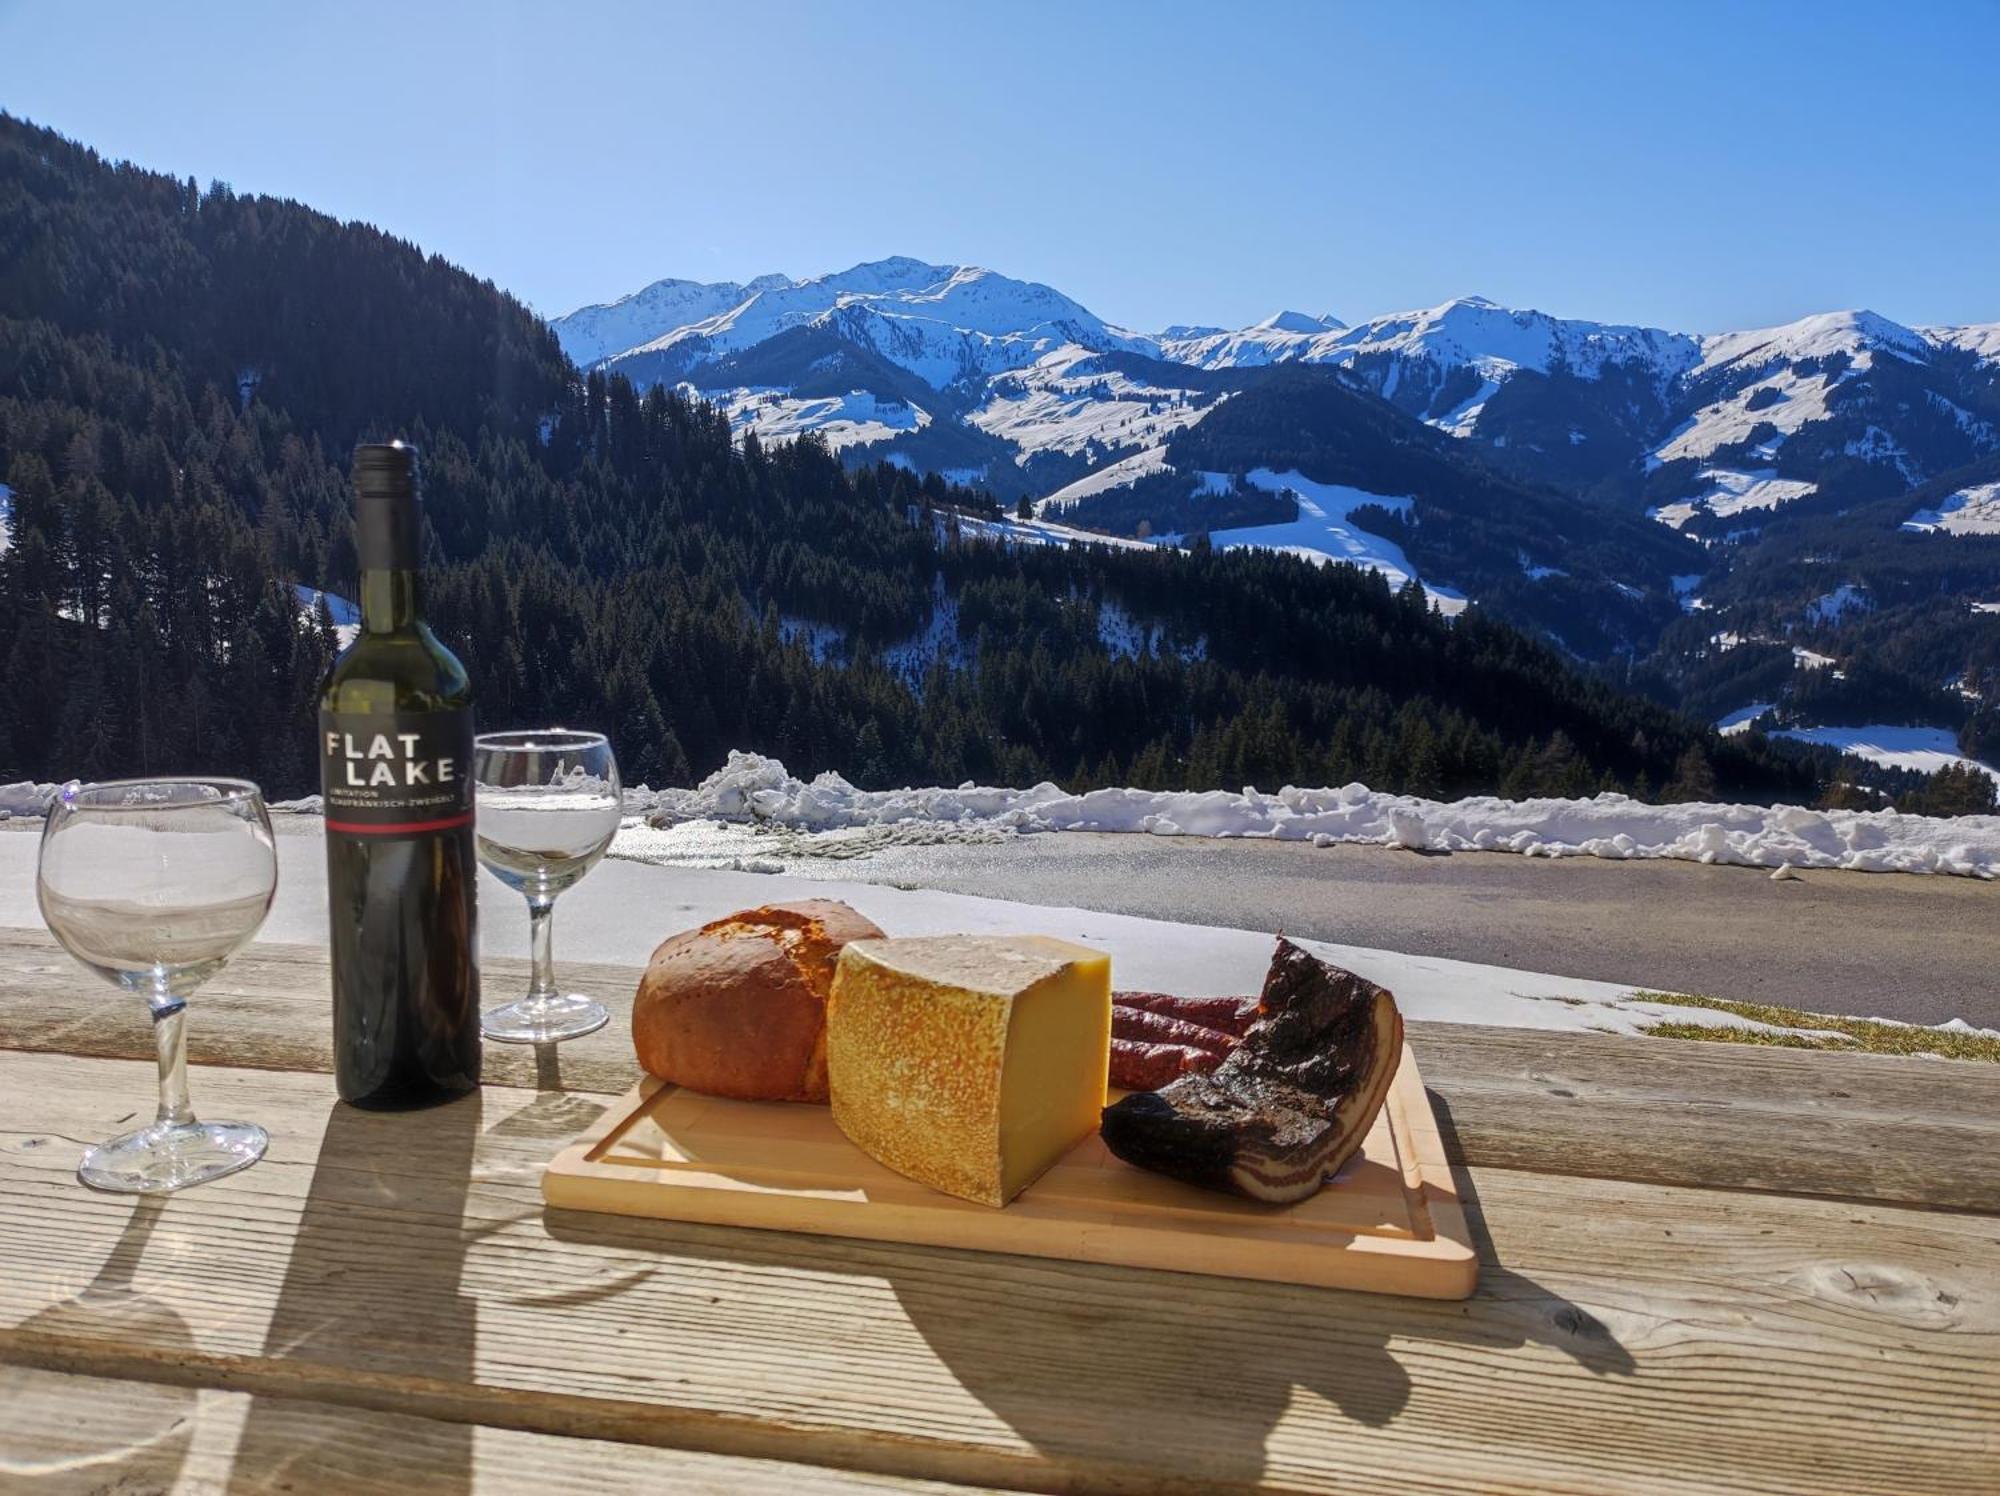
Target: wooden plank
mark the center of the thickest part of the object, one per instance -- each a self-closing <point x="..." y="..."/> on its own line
<point x="1393" y="1224"/>
<point x="1908" y="1129"/>
<point x="1624" y="1337"/>
<point x="1666" y="1111"/>
<point x="65" y="1433"/>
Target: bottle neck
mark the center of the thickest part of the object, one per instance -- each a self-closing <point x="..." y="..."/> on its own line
<point x="388" y="539"/>
<point x="390" y="599"/>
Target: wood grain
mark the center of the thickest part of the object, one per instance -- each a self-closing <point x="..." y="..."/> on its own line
<point x="1625" y="1337"/>
<point x="69" y="1435"/>
<point x="1880" y="1127"/>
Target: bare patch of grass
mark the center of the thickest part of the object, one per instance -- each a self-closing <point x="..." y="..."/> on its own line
<point x="1861" y="1034"/>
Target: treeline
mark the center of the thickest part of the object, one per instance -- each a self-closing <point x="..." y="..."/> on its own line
<point x="175" y="432"/>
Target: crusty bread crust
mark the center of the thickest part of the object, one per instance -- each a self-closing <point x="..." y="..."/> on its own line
<point x="738" y="1007"/>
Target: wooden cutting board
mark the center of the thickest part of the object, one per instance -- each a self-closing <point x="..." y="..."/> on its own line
<point x="1390" y="1223"/>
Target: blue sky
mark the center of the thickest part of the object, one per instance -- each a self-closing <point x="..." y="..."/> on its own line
<point x="1691" y="165"/>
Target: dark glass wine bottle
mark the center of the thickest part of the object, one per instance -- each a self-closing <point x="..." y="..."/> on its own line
<point x="396" y="771"/>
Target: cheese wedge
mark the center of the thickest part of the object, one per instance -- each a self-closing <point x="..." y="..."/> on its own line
<point x="969" y="1062"/>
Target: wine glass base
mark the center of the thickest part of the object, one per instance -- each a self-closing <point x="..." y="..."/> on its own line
<point x="544" y="1020"/>
<point x="165" y="1156"/>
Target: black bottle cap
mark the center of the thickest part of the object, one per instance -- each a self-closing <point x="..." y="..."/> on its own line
<point x="387" y="529"/>
<point x="385" y="470"/>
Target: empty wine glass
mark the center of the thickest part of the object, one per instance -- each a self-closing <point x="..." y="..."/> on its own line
<point x="547" y="805"/>
<point x="154" y="884"/>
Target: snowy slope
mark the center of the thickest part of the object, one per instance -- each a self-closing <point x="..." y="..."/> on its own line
<point x="1066" y="402"/>
<point x="1970" y="511"/>
<point x="1924" y="749"/>
<point x="1468" y="331"/>
<point x="346" y="616"/>
<point x="594" y="332"/>
<point x="1324" y="533"/>
<point x="943" y="323"/>
<point x="6" y="517"/>
<point x="1859" y="333"/>
<point x="1981" y="340"/>
<point x="857" y="418"/>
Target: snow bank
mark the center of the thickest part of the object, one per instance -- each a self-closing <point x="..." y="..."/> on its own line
<point x="751" y="787"/>
<point x="26" y="798"/>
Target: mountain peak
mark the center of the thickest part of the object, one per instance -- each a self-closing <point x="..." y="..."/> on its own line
<point x="896" y="273"/>
<point x="1289" y="321"/>
<point x="1853" y="332"/>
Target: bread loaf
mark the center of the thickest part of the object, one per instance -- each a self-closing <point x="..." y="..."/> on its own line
<point x="738" y="1007"/>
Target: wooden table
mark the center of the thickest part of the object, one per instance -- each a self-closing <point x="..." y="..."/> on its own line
<point x="1705" y="1268"/>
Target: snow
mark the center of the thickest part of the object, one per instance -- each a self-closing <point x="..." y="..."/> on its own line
<point x="1684" y="593"/>
<point x="935" y="643"/>
<point x="1924" y="749"/>
<point x="1859" y="334"/>
<point x="1986" y="607"/>
<point x="943" y="323"/>
<point x="1830" y="607"/>
<point x="1806" y="659"/>
<point x="825" y="641"/>
<point x="594" y="332"/>
<point x="1469" y="331"/>
<point x="346" y="616"/>
<point x="25" y="797"/>
<point x="1740" y="721"/>
<point x="1981" y="340"/>
<point x="1322" y="532"/>
<point x="1298" y="322"/>
<point x="6" y="517"/>
<point x="855" y="419"/>
<point x="1463" y="418"/>
<point x="1729" y="422"/>
<point x="1049" y="532"/>
<point x="1065" y="402"/>
<point x="1120" y="474"/>
<point x="1732" y="491"/>
<point x="1878" y="446"/>
<point x="1536" y="572"/>
<point x="750" y="788"/>
<point x="1970" y="511"/>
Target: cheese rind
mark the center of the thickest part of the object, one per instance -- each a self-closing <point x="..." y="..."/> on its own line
<point x="969" y="1063"/>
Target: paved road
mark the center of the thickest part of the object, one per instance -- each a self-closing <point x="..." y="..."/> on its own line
<point x="1871" y="944"/>
<point x="1922" y="949"/>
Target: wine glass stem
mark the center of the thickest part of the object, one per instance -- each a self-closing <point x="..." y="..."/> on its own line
<point x="541" y="914"/>
<point x="170" y="1035"/>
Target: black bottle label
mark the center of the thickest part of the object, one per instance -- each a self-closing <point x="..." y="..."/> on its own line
<point x="396" y="773"/>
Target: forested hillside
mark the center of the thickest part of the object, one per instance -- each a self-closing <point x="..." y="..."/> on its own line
<point x="183" y="372"/>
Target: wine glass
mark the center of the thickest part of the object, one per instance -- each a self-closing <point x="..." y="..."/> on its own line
<point x="154" y="884"/>
<point x="547" y="805"/>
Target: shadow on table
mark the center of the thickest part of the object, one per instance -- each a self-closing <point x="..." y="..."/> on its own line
<point x="1108" y="1371"/>
<point x="370" y="1291"/>
<point x="556" y="1113"/>
<point x="63" y="1433"/>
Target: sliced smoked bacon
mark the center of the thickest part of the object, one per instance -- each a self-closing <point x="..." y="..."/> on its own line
<point x="1293" y="1101"/>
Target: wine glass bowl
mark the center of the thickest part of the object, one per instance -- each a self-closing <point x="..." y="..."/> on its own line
<point x="547" y="805"/>
<point x="154" y="884"/>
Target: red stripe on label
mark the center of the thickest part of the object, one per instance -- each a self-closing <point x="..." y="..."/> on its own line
<point x="398" y="828"/>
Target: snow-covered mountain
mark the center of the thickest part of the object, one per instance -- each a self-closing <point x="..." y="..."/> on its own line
<point x="946" y="324"/>
<point x="1013" y="386"/>
<point x="1004" y="386"/>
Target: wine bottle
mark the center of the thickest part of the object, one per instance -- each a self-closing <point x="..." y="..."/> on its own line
<point x="396" y="773"/>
